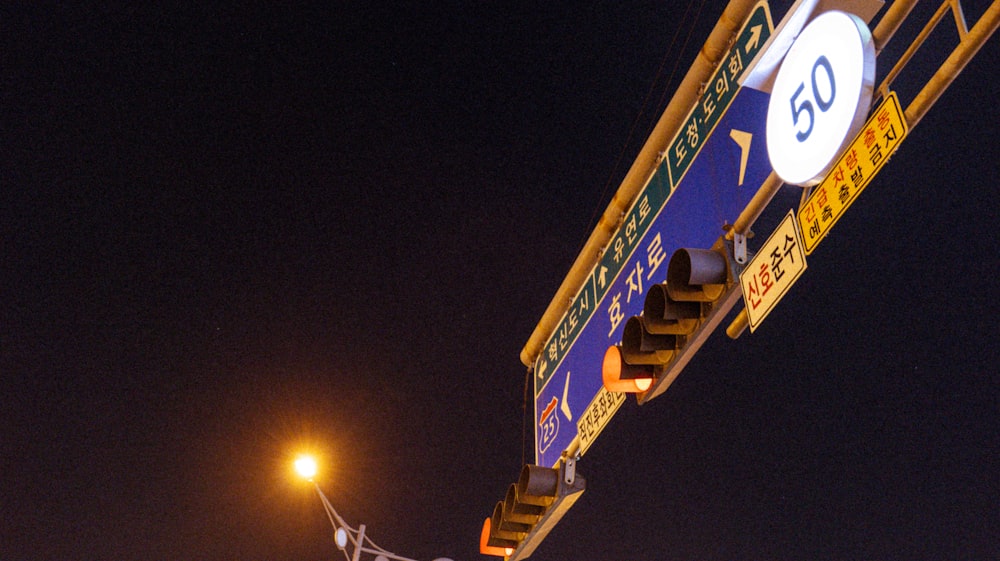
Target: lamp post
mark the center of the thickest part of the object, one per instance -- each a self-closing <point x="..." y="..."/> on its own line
<point x="344" y="534"/>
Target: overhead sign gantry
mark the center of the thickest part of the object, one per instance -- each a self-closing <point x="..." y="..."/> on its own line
<point x="656" y="278"/>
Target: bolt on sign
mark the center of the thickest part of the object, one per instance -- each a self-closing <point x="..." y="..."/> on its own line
<point x="857" y="165"/>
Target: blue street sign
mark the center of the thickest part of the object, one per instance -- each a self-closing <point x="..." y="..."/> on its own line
<point x="709" y="174"/>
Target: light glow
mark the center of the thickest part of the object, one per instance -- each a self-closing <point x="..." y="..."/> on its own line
<point x="486" y="549"/>
<point x="306" y="466"/>
<point x="611" y="374"/>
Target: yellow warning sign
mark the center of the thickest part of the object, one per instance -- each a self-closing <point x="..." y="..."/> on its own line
<point x="855" y="169"/>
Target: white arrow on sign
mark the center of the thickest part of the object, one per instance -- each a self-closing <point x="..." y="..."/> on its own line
<point x="743" y="139"/>
<point x="565" y="403"/>
<point x="541" y="371"/>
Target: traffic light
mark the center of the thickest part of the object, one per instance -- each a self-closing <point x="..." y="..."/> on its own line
<point x="629" y="367"/>
<point x="677" y="316"/>
<point x="530" y="509"/>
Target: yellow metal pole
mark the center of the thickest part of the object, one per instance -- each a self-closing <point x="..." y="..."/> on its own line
<point x="953" y="66"/>
<point x="890" y="22"/>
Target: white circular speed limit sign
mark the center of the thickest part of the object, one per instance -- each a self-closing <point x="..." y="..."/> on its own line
<point x="821" y="96"/>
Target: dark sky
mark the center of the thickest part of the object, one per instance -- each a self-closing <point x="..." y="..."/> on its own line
<point x="230" y="234"/>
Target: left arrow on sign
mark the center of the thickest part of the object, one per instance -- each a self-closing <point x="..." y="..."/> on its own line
<point x="541" y="371"/>
<point x="565" y="404"/>
<point x="743" y="139"/>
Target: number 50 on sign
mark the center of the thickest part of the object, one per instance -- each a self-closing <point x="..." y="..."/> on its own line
<point x="820" y="97"/>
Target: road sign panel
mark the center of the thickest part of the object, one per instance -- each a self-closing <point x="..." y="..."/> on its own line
<point x="858" y="164"/>
<point x="769" y="275"/>
<point x="568" y="373"/>
<point x="719" y="92"/>
<point x="703" y="185"/>
<point x="702" y="119"/>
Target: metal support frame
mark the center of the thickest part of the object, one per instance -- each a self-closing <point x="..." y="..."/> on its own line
<point x="571" y="486"/>
<point x="970" y="41"/>
<point x="356" y="537"/>
<point x="969" y="44"/>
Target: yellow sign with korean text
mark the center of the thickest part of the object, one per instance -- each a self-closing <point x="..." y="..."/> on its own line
<point x="769" y="275"/>
<point x="855" y="169"/>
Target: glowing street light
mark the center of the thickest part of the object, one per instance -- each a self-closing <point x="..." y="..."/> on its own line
<point x="306" y="467"/>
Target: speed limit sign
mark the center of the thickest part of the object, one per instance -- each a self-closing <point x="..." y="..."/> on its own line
<point x="821" y="96"/>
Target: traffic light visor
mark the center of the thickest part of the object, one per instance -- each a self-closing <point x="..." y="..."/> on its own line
<point x="663" y="315"/>
<point x="640" y="347"/>
<point x="697" y="275"/>
<point x="538" y="485"/>
<point x="519" y="511"/>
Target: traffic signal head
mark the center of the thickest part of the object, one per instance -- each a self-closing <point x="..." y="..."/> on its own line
<point x="520" y="510"/>
<point x="540" y="494"/>
<point x="674" y="316"/>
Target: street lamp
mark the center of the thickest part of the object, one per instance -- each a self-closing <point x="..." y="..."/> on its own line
<point x="306" y="467"/>
<point x="344" y="534"/>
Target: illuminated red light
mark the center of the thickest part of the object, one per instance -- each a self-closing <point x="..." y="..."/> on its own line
<point x="487" y="549"/>
<point x="619" y="376"/>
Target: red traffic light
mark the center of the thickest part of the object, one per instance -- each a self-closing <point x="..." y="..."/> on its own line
<point x="619" y="376"/>
<point x="489" y="545"/>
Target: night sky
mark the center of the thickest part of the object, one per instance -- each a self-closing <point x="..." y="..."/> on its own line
<point x="232" y="234"/>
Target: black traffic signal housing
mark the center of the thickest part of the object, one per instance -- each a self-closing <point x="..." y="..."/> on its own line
<point x="702" y="285"/>
<point x="530" y="509"/>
